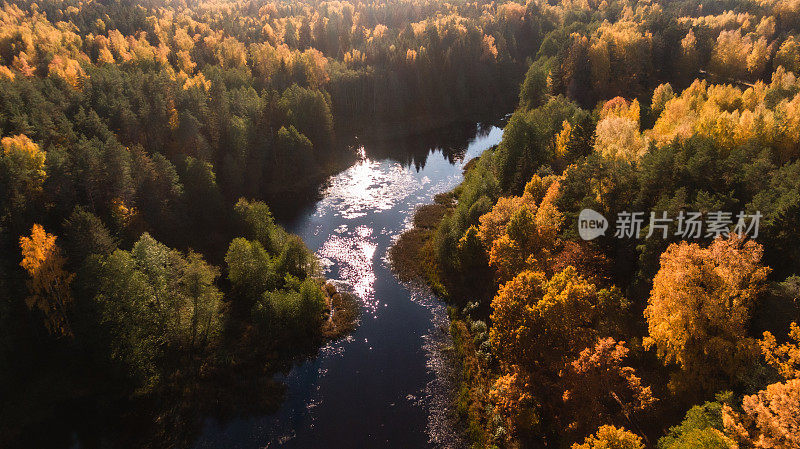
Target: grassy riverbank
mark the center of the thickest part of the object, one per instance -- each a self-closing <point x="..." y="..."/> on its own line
<point x="413" y="259"/>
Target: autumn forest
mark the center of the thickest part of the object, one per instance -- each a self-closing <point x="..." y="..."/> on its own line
<point x="165" y="169"/>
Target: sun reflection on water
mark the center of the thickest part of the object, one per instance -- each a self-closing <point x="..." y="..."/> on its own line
<point x="353" y="253"/>
<point x="367" y="186"/>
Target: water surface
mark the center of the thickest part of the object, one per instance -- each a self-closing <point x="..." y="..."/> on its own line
<point x="385" y="385"/>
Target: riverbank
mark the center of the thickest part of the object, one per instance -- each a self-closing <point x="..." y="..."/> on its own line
<point x="412" y="256"/>
<point x="413" y="259"/>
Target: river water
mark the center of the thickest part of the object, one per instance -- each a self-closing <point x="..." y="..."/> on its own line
<point x="386" y="385"/>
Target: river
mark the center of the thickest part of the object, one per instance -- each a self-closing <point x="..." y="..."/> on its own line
<point x="385" y="385"/>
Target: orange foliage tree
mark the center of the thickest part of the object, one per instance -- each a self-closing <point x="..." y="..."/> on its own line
<point x="49" y="282"/>
<point x="700" y="306"/>
<point x="610" y="437"/>
<point x="770" y="418"/>
<point x="541" y="323"/>
<point x="587" y="259"/>
<point x="785" y="357"/>
<point x="600" y="390"/>
<point x="521" y="234"/>
<point x="512" y="401"/>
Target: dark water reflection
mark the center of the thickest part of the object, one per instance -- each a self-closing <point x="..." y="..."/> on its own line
<point x="384" y="385"/>
<point x="410" y="149"/>
<point x="413" y="150"/>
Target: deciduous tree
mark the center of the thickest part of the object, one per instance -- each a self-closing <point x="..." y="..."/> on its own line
<point x="770" y="418"/>
<point x="599" y="389"/>
<point x="49" y="282"/>
<point x="539" y="324"/>
<point x="701" y="428"/>
<point x="784" y="357"/>
<point x="700" y="306"/>
<point x="610" y="437"/>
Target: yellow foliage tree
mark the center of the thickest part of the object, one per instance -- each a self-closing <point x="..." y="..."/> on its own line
<point x="661" y="95"/>
<point x="68" y="69"/>
<point x="519" y="234"/>
<point x="540" y="323"/>
<point x="6" y="73"/>
<point x="700" y="306"/>
<point x="621" y="108"/>
<point x="49" y="282"/>
<point x="493" y="224"/>
<point x="689" y="59"/>
<point x="766" y="112"/>
<point x="618" y="135"/>
<point x="786" y="357"/>
<point x="788" y="54"/>
<point x="610" y="437"/>
<point x="770" y="418"/>
<point x="563" y="139"/>
<point x="619" y="138"/>
<point x="737" y="56"/>
<point x="26" y="161"/>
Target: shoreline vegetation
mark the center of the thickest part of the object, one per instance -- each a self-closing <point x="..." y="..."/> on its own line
<point x="341" y="312"/>
<point x="411" y="255"/>
<point x="413" y="259"/>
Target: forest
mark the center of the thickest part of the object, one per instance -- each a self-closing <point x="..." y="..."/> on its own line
<point x="149" y="147"/>
<point x="145" y="147"/>
<point x="664" y="342"/>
